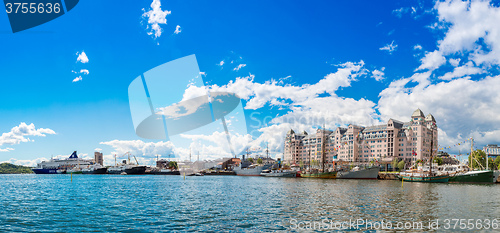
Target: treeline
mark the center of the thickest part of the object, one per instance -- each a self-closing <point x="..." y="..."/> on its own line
<point x="7" y="168"/>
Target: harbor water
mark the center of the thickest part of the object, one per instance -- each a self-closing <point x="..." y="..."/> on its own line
<point x="57" y="203"/>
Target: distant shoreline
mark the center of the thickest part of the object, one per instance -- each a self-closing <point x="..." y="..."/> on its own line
<point x="8" y="168"/>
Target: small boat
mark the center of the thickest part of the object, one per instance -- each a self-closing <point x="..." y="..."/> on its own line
<point x="370" y="173"/>
<point x="279" y="173"/>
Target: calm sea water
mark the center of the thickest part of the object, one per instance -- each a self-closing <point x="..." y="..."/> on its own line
<point x="52" y="203"/>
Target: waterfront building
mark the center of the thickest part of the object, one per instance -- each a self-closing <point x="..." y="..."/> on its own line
<point x="98" y="158"/>
<point x="409" y="141"/>
<point x="492" y="150"/>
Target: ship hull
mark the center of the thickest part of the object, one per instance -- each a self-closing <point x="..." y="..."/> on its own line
<point x="175" y="173"/>
<point x="139" y="170"/>
<point x="367" y="174"/>
<point x="44" y="171"/>
<point x="321" y="175"/>
<point x="96" y="171"/>
<point x="280" y="174"/>
<point x="474" y="177"/>
<point x="426" y="179"/>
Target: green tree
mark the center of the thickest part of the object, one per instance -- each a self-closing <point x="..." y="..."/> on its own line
<point x="7" y="168"/>
<point x="401" y="165"/>
<point x="438" y="160"/>
<point x="395" y="164"/>
<point x="259" y="161"/>
<point x="301" y="163"/>
<point x="250" y="160"/>
<point x="173" y="164"/>
<point x="478" y="160"/>
<point x="497" y="162"/>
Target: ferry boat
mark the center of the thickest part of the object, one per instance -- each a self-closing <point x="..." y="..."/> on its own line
<point x="60" y="166"/>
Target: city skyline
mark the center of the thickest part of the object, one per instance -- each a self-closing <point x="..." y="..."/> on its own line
<point x="294" y="65"/>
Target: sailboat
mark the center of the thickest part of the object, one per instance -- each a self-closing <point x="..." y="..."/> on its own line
<point x="481" y="176"/>
<point x="321" y="174"/>
<point x="424" y="175"/>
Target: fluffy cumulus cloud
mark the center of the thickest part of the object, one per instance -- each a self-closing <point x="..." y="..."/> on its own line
<point x="389" y="47"/>
<point x="275" y="93"/>
<point x="22" y="133"/>
<point x="139" y="147"/>
<point x="82" y="57"/>
<point x="378" y="74"/>
<point x="155" y="17"/>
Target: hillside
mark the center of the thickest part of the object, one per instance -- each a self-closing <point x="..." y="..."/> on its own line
<point x="7" y="168"/>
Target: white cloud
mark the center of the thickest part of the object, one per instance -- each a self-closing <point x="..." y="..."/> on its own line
<point x="239" y="67"/>
<point x="155" y="17"/>
<point x="259" y="94"/>
<point x="21" y="133"/>
<point x="84" y="71"/>
<point x="389" y="47"/>
<point x="98" y="149"/>
<point x="378" y="75"/>
<point x="79" y="78"/>
<point x="140" y="148"/>
<point x="6" y="149"/>
<point x="461" y="106"/>
<point x="177" y="29"/>
<point x="82" y="57"/>
<point x="221" y="63"/>
<point x="27" y="162"/>
<point x="417" y="47"/>
<point x="432" y="61"/>
<point x="461" y="71"/>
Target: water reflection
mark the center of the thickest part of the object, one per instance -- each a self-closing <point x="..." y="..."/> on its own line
<point x="154" y="203"/>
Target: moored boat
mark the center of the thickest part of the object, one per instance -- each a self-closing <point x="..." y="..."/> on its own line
<point x="319" y="175"/>
<point x="252" y="170"/>
<point x="94" y="169"/>
<point x="59" y="166"/>
<point x="370" y="173"/>
<point x="279" y="173"/>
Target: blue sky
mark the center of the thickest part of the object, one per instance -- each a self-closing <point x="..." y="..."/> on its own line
<point x="432" y="65"/>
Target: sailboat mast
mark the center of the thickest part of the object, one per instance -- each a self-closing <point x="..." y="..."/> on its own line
<point x="432" y="150"/>
<point x="471" y="150"/>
